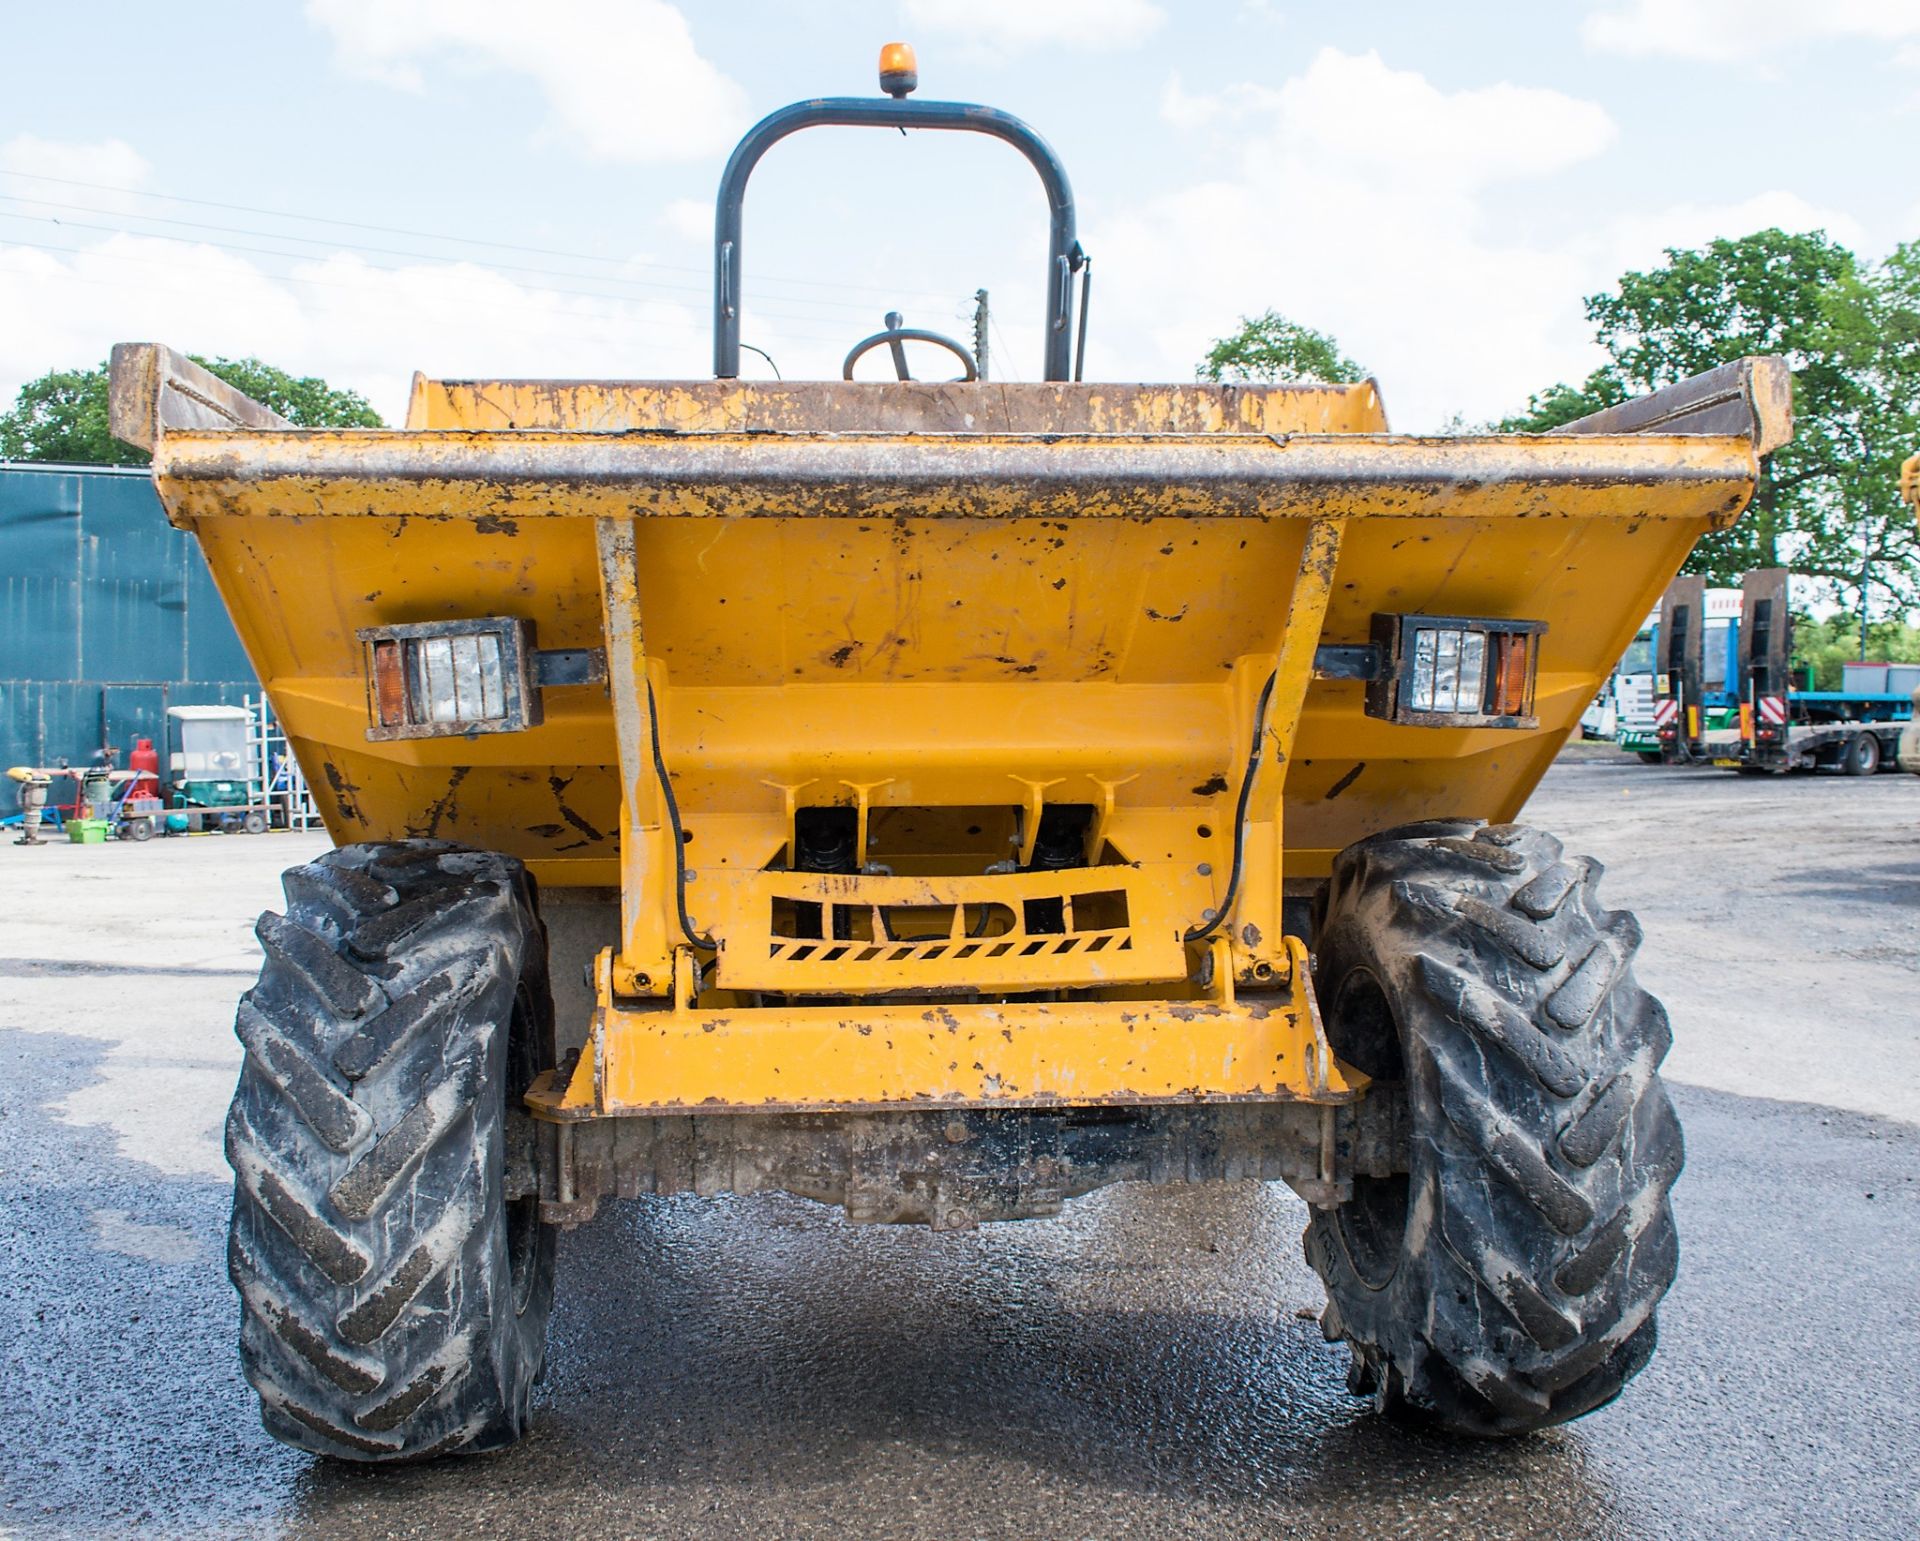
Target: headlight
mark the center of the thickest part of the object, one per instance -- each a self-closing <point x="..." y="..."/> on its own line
<point x="444" y="678"/>
<point x="1455" y="671"/>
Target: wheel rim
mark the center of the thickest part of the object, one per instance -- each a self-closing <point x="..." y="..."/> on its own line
<point x="1372" y="1224"/>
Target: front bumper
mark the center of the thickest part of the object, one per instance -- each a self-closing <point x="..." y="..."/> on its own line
<point x="674" y="1056"/>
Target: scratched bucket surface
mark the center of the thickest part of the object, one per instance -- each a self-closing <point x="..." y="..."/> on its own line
<point x="942" y="594"/>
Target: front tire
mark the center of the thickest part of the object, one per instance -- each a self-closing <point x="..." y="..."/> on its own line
<point x="394" y="1301"/>
<point x="1508" y="1280"/>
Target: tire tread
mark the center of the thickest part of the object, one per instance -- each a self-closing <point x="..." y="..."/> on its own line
<point x="1538" y="1118"/>
<point x="367" y="1137"/>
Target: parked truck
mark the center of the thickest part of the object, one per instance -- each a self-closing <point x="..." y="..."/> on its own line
<point x="1783" y="724"/>
<point x="1006" y="790"/>
<point x="1696" y="692"/>
<point x="1623" y="711"/>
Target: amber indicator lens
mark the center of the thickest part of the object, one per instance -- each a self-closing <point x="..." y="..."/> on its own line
<point x="1513" y="674"/>
<point x="389" y="684"/>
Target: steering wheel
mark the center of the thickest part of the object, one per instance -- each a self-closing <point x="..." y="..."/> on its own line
<point x="894" y="336"/>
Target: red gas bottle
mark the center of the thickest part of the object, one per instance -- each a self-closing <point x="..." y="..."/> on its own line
<point x="144" y="762"/>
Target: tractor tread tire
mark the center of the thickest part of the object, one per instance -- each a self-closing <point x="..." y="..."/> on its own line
<point x="1538" y="1238"/>
<point x="393" y="1303"/>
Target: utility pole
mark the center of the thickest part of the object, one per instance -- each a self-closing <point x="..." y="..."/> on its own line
<point x="980" y="319"/>
<point x="1866" y="578"/>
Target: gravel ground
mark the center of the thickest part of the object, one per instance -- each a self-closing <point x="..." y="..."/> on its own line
<point x="1139" y="1366"/>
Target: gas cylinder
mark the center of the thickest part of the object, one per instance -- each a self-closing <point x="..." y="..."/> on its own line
<point x="144" y="762"/>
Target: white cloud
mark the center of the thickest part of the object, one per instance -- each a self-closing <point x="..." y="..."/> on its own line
<point x="336" y="316"/>
<point x="110" y="162"/>
<point x="1364" y="201"/>
<point x="1017" y="25"/>
<point x="691" y="219"/>
<point x="1352" y="113"/>
<point x="1353" y="206"/>
<point x="622" y="78"/>
<point x="1637" y="240"/>
<point x="1229" y="104"/>
<point x="1723" y="31"/>
<point x="41" y="171"/>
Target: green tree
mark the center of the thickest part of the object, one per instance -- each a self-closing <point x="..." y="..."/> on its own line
<point x="62" y="416"/>
<point x="306" y="401"/>
<point x="1557" y="404"/>
<point x="1825" y="645"/>
<point x="1824" y="504"/>
<point x="1270" y="349"/>
<point x="1873" y="333"/>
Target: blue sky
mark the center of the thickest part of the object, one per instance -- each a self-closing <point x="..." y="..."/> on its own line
<point x="360" y="188"/>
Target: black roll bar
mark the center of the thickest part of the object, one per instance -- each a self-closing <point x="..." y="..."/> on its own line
<point x="1064" y="256"/>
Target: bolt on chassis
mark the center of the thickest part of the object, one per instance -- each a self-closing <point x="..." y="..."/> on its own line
<point x="957" y="797"/>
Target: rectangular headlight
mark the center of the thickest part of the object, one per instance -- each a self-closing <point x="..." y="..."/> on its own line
<point x="444" y="678"/>
<point x="1455" y="671"/>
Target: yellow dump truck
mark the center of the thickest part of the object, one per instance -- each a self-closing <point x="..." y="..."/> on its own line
<point x="955" y="797"/>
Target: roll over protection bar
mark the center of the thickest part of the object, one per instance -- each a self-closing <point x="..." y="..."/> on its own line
<point x="1064" y="256"/>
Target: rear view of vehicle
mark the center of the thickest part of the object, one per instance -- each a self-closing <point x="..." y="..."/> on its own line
<point x="1696" y="693"/>
<point x="1001" y="790"/>
<point x="1783" y="723"/>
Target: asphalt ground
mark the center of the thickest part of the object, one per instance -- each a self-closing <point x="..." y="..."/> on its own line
<point x="1143" y="1365"/>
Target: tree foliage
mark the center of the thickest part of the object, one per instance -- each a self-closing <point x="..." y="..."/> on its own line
<point x="1825" y="504"/>
<point x="62" y="416"/>
<point x="306" y="401"/>
<point x="1824" y="645"/>
<point x="1270" y="349"/>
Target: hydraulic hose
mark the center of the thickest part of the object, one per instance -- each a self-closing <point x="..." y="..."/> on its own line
<point x="1201" y="932"/>
<point x="673" y="824"/>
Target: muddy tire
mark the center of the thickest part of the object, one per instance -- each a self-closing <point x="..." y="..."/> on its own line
<point x="1508" y="1281"/>
<point x="394" y="1300"/>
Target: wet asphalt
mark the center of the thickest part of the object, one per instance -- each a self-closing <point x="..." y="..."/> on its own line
<point x="1143" y="1365"/>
